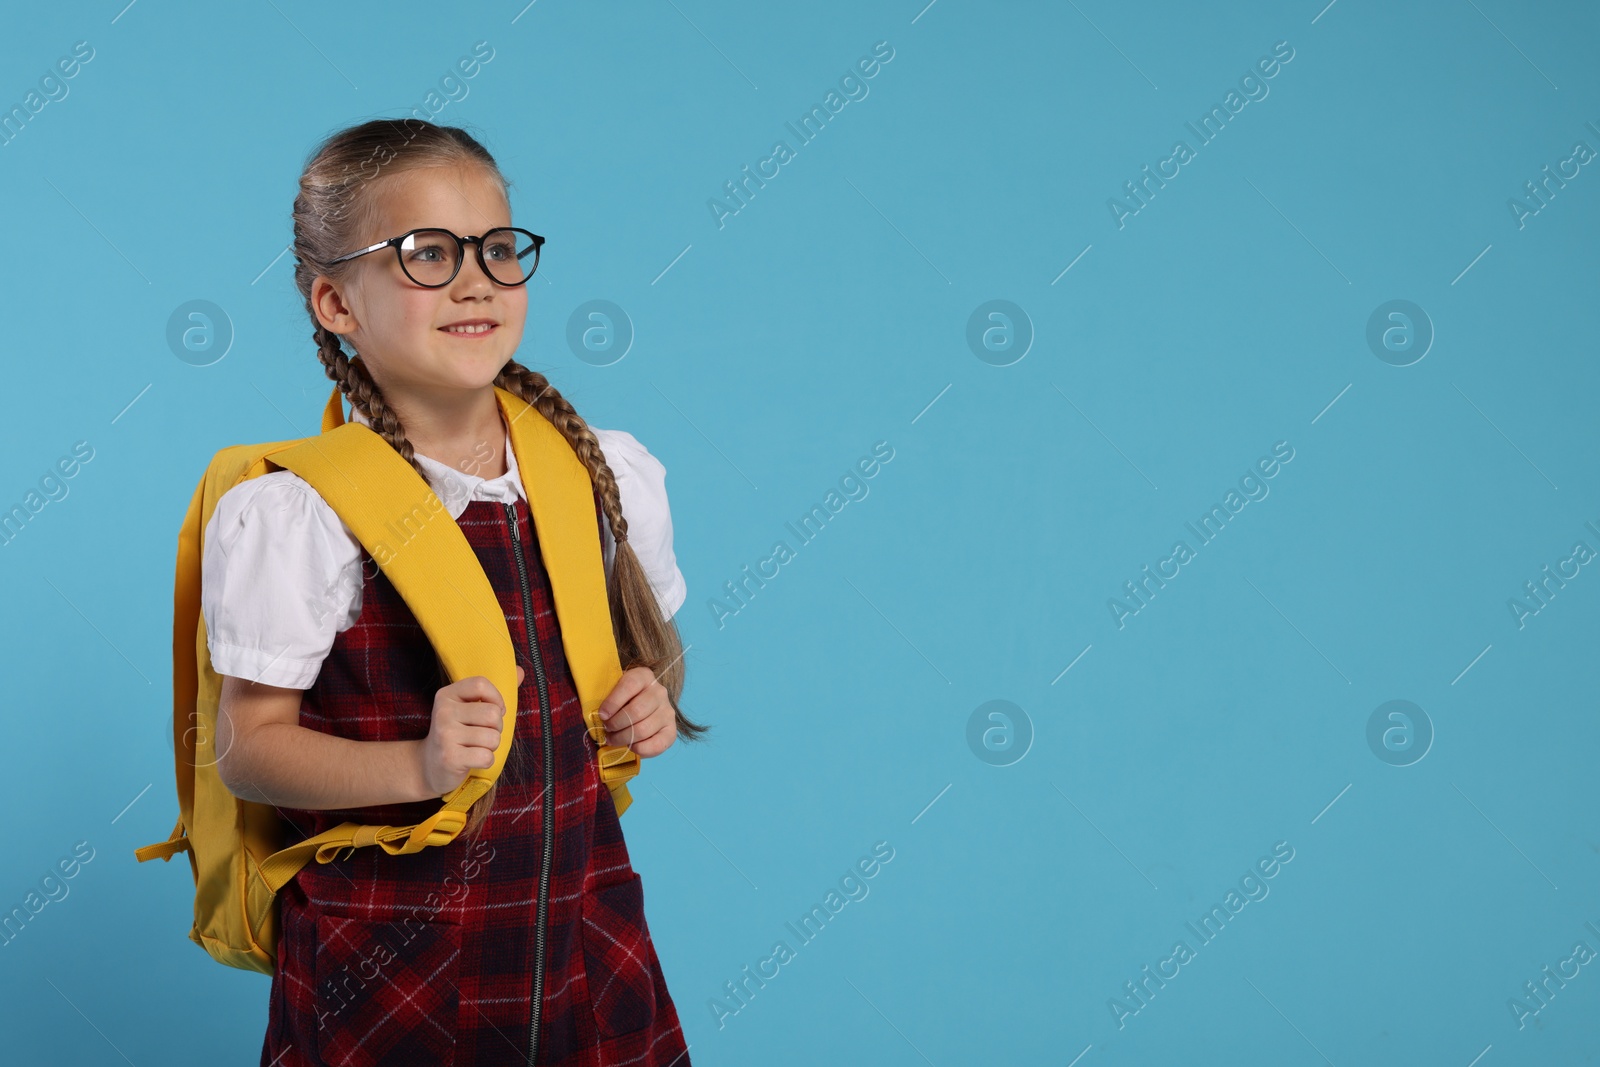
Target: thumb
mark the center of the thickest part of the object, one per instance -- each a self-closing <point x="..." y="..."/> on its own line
<point x="520" y="673"/>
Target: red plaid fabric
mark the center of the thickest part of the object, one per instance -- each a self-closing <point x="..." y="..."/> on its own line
<point x="428" y="958"/>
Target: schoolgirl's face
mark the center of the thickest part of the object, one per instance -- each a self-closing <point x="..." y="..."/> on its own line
<point x="400" y="328"/>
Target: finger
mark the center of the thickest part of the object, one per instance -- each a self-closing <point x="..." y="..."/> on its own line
<point x="479" y="737"/>
<point x="480" y="759"/>
<point x="476" y="688"/>
<point x="650" y="706"/>
<point x="633" y="733"/>
<point x="653" y="745"/>
<point x="630" y="714"/>
<point x="620" y="719"/>
<point x="631" y="684"/>
<point x="479" y="713"/>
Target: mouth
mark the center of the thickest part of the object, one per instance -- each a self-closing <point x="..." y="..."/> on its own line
<point x="470" y="329"/>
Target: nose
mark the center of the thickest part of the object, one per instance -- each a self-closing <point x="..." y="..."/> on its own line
<point x="472" y="272"/>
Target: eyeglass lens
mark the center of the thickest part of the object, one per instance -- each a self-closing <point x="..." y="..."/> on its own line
<point x="430" y="257"/>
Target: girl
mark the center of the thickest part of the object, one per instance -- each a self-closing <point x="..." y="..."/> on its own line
<point x="523" y="940"/>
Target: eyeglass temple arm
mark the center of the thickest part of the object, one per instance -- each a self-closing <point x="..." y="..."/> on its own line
<point x="362" y="252"/>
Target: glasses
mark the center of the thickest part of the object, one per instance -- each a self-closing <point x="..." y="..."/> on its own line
<point x="432" y="257"/>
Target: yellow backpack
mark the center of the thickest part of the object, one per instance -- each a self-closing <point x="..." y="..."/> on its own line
<point x="236" y="847"/>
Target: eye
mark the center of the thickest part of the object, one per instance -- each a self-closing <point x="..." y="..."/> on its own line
<point x="430" y="247"/>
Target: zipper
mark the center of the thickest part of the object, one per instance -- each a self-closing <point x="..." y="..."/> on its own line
<point x="548" y="802"/>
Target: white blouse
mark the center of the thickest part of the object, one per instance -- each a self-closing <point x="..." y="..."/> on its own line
<point x="280" y="572"/>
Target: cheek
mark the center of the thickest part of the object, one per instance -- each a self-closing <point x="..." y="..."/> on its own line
<point x="514" y="305"/>
<point x="418" y="309"/>
<point x="392" y="312"/>
<point x="412" y="315"/>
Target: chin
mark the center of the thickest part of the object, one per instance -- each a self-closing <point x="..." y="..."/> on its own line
<point x="469" y="367"/>
<point x="458" y="379"/>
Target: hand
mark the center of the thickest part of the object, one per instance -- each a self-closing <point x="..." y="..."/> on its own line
<point x="467" y="719"/>
<point x="638" y="715"/>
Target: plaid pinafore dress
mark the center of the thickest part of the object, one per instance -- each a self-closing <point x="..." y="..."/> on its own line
<point x="430" y="958"/>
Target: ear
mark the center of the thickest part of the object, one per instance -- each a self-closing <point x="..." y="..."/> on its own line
<point x="329" y="305"/>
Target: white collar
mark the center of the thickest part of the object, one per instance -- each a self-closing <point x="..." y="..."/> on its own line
<point x="456" y="489"/>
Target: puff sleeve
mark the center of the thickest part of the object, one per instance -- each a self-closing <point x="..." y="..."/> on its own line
<point x="280" y="576"/>
<point x="642" y="484"/>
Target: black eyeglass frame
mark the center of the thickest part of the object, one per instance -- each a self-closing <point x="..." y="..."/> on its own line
<point x="461" y="253"/>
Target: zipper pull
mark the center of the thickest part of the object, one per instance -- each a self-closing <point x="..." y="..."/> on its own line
<point x="511" y="515"/>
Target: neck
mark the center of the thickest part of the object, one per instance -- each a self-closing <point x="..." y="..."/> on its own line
<point x="462" y="430"/>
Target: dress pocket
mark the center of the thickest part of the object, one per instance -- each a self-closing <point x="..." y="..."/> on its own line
<point x="616" y="958"/>
<point x="386" y="991"/>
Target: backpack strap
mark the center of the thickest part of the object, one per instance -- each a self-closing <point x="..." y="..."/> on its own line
<point x="567" y="536"/>
<point x="404" y="526"/>
<point x="561" y="497"/>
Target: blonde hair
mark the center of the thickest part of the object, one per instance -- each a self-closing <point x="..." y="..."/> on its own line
<point x="335" y="204"/>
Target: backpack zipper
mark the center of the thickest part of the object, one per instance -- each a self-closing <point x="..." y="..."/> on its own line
<point x="549" y="791"/>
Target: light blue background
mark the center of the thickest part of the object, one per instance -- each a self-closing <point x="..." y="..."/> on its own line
<point x="830" y="313"/>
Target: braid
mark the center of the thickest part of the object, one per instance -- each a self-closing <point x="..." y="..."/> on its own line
<point x="363" y="393"/>
<point x="644" y="636"/>
<point x="536" y="389"/>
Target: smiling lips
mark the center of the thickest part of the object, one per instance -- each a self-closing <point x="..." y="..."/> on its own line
<point x="470" y="329"/>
